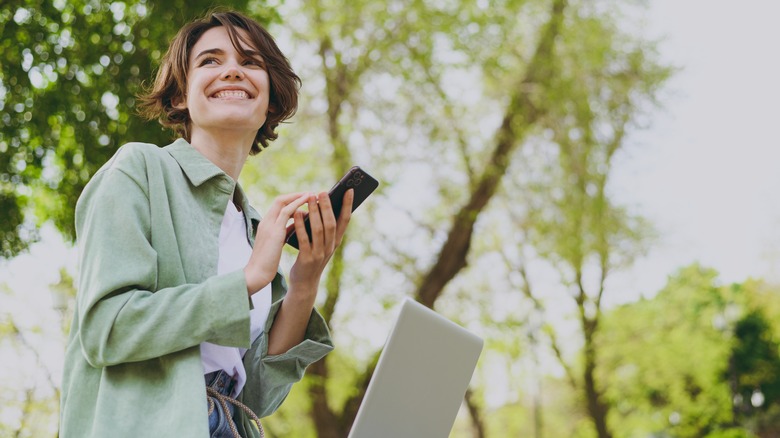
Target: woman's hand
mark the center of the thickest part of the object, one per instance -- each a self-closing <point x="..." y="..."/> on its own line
<point x="289" y="327"/>
<point x="269" y="240"/>
<point x="326" y="235"/>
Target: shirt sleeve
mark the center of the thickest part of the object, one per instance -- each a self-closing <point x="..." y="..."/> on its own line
<point x="270" y="378"/>
<point x="121" y="313"/>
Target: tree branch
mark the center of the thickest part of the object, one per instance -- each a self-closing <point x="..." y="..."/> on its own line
<point x="449" y="116"/>
<point x="523" y="111"/>
<point x="559" y="355"/>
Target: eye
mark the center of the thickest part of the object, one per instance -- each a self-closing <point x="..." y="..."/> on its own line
<point x="208" y="61"/>
<point x="254" y="62"/>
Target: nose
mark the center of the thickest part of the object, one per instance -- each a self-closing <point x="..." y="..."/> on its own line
<point x="232" y="71"/>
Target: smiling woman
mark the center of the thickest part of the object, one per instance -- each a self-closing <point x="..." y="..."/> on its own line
<point x="227" y="95"/>
<point x="184" y="324"/>
<point x="230" y="40"/>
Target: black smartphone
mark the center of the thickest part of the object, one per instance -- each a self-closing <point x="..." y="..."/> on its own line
<point x="356" y="178"/>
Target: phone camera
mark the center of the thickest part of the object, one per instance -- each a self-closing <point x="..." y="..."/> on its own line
<point x="355" y="180"/>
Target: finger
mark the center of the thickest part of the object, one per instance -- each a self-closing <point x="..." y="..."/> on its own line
<point x="346" y="206"/>
<point x="299" y="222"/>
<point x="315" y="220"/>
<point x="282" y="201"/>
<point x="328" y="221"/>
<point x="290" y="208"/>
<point x="291" y="228"/>
<point x="345" y="215"/>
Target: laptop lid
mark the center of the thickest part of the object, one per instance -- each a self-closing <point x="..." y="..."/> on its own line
<point x="420" y="379"/>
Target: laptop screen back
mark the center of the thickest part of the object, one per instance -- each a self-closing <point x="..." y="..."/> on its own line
<point x="421" y="377"/>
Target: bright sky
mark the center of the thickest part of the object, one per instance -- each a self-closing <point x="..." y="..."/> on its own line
<point x="706" y="172"/>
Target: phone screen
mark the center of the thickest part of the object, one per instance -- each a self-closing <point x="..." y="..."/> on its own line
<point x="356" y="178"/>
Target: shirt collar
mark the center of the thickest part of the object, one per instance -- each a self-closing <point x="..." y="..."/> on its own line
<point x="252" y="216"/>
<point x="198" y="168"/>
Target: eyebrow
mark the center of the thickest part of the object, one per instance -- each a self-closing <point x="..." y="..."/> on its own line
<point x="218" y="51"/>
<point x="208" y="52"/>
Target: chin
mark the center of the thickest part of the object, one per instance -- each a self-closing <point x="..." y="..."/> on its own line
<point x="239" y="120"/>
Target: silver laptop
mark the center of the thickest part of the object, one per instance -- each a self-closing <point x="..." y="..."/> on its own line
<point x="420" y="379"/>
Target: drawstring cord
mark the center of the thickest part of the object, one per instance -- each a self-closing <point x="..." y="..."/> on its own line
<point x="224" y="400"/>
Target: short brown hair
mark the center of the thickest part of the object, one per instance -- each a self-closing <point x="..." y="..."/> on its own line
<point x="170" y="85"/>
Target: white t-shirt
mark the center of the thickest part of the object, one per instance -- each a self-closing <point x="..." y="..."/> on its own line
<point x="234" y="252"/>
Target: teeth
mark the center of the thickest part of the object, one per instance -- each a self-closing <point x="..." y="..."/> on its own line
<point x="232" y="94"/>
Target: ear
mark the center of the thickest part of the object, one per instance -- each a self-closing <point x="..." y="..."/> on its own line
<point x="179" y="102"/>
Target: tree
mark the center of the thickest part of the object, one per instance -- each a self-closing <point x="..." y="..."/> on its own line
<point x="661" y="358"/>
<point x="403" y="101"/>
<point x="674" y="363"/>
<point x="605" y="81"/>
<point x="31" y="402"/>
<point x="753" y="374"/>
<point x="67" y="98"/>
<point x="422" y="33"/>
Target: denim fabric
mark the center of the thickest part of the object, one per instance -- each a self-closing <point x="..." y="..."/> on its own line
<point x="219" y="426"/>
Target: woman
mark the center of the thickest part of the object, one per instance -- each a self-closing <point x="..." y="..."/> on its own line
<point x="179" y="289"/>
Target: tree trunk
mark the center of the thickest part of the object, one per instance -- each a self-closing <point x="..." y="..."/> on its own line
<point x="325" y="420"/>
<point x="596" y="406"/>
<point x="477" y="422"/>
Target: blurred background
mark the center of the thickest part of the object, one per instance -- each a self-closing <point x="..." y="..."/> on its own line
<point x="588" y="185"/>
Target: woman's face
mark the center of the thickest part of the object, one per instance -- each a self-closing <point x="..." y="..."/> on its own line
<point x="225" y="90"/>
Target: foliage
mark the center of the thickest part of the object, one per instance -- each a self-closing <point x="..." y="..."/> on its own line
<point x="651" y="374"/>
<point x="753" y="371"/>
<point x="67" y="98"/>
<point x="29" y="403"/>
<point x="603" y="81"/>
<point x="460" y="84"/>
<point x="397" y="91"/>
<point x="665" y="360"/>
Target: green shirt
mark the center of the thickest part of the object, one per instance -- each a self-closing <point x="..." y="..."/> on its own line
<point x="147" y="229"/>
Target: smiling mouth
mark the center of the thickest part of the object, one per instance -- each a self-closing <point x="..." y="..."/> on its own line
<point x="232" y="95"/>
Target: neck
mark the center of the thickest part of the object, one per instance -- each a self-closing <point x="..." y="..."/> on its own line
<point x="226" y="150"/>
